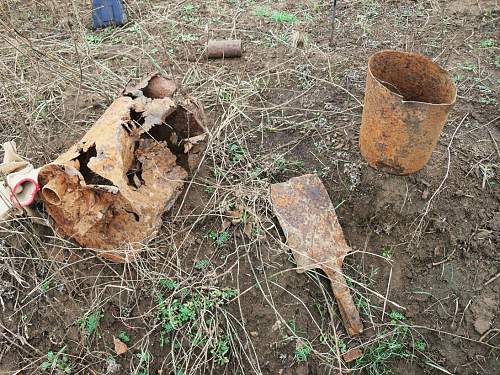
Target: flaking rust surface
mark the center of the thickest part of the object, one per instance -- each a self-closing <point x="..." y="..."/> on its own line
<point x="308" y="218"/>
<point x="109" y="190"/>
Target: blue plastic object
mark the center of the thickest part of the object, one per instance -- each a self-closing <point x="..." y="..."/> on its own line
<point x="108" y="12"/>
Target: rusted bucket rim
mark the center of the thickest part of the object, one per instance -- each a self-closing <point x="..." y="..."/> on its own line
<point x="420" y="58"/>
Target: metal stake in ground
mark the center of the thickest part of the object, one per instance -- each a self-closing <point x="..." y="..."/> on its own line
<point x="334" y="12"/>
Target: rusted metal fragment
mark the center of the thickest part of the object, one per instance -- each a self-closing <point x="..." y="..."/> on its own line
<point x="153" y="86"/>
<point x="352" y="355"/>
<point x="109" y="190"/>
<point x="313" y="232"/>
<point x="218" y="49"/>
<point x="407" y="101"/>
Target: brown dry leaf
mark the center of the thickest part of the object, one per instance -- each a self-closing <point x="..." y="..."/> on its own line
<point x="248" y="229"/>
<point x="225" y="224"/>
<point x="120" y="347"/>
<point x="235" y="216"/>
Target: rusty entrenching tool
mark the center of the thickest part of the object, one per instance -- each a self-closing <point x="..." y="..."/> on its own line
<point x="313" y="232"/>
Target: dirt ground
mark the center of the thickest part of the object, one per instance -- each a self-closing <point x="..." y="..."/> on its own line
<point x="216" y="291"/>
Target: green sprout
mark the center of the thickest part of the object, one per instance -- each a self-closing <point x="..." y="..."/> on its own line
<point x="169" y="284"/>
<point x="124" y="337"/>
<point x="91" y="322"/>
<point x="420" y="345"/>
<point x="201" y="264"/>
<point x="302" y="352"/>
<point x="58" y="361"/>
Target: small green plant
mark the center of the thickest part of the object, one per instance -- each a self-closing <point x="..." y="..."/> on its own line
<point x="45" y="286"/>
<point x="124" y="337"/>
<point x="185" y="313"/>
<point x="283" y="17"/>
<point x="187" y="37"/>
<point x="420" y="345"/>
<point x="302" y="352"/>
<point x="487" y="43"/>
<point x="391" y="345"/>
<point x="457" y="78"/>
<point x="219" y="239"/>
<point x="168" y="284"/>
<point x="375" y="359"/>
<point x="222" y="239"/>
<point x="468" y="66"/>
<point x="497" y="61"/>
<point x="396" y="316"/>
<point x="293" y="326"/>
<point x="235" y="152"/>
<point x="201" y="264"/>
<point x="135" y="28"/>
<point x="93" y="40"/>
<point x="220" y="351"/>
<point x="283" y="165"/>
<point x="57" y="361"/>
<point x="91" y="322"/>
<point x="189" y="8"/>
<point x="46" y="18"/>
<point x="387" y="252"/>
<point x="321" y="310"/>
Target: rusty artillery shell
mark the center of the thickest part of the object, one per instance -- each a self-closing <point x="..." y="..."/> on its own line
<point x="218" y="49"/>
<point x="407" y="100"/>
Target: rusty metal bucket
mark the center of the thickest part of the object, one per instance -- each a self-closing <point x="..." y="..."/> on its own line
<point x="407" y="100"/>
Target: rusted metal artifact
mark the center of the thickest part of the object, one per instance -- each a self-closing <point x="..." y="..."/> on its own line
<point x="109" y="190"/>
<point x="313" y="232"/>
<point x="218" y="49"/>
<point x="407" y="101"/>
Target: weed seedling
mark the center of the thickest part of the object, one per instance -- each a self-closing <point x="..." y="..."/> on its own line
<point x="396" y="317"/>
<point x="168" y="284"/>
<point x="302" y="352"/>
<point x="184" y="316"/>
<point x="420" y="345"/>
<point x="45" y="286"/>
<point x="201" y="264"/>
<point x="387" y="252"/>
<point x="91" y="322"/>
<point x="57" y="361"/>
<point x="124" y="337"/>
<point x="235" y="152"/>
<point x="93" y="40"/>
<point x="220" y="351"/>
<point x="468" y="66"/>
<point x="219" y="239"/>
<point x="375" y="359"/>
<point x="487" y="43"/>
<point x="283" y="17"/>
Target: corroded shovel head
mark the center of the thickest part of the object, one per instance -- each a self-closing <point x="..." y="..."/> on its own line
<point x="313" y="232"/>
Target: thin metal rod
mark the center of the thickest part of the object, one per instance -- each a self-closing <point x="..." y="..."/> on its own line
<point x="334" y="12"/>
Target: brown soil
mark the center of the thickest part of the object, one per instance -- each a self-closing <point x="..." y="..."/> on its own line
<point x="428" y="242"/>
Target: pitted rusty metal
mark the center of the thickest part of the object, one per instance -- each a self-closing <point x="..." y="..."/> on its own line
<point x="313" y="233"/>
<point x="109" y="190"/>
<point x="407" y="100"/>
